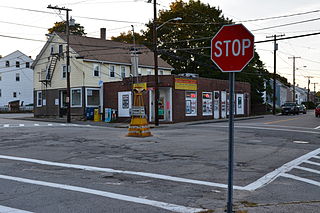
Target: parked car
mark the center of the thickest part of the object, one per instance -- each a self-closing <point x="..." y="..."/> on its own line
<point x="302" y="108"/>
<point x="317" y="111"/>
<point x="290" y="108"/>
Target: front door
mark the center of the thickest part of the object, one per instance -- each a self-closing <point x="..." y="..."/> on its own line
<point x="63" y="103"/>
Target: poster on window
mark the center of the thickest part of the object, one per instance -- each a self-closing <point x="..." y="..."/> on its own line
<point x="125" y="101"/>
<point x="191" y="103"/>
<point x="207" y="103"/>
<point x="216" y="104"/>
<point x="223" y="104"/>
<point x="240" y="104"/>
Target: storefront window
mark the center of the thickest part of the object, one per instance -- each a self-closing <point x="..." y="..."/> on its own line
<point x="76" y="98"/>
<point x="93" y="97"/>
<point x="207" y="103"/>
<point x="191" y="103"/>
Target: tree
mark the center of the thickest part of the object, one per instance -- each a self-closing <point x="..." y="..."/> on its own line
<point x="77" y="29"/>
<point x="128" y="38"/>
<point x="186" y="45"/>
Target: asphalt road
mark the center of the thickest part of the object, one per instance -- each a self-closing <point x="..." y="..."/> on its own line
<point x="56" y="167"/>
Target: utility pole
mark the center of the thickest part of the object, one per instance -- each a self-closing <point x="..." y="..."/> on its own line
<point x="68" y="59"/>
<point x="294" y="77"/>
<point x="274" y="70"/>
<point x="314" y="89"/>
<point x="308" y="96"/>
<point x="155" y="55"/>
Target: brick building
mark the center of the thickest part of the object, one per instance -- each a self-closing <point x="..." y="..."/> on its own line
<point x="181" y="98"/>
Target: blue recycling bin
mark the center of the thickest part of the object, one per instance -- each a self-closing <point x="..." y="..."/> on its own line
<point x="90" y="113"/>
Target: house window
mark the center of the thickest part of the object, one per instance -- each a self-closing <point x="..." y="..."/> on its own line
<point x="139" y="71"/>
<point x="123" y="72"/>
<point x="93" y="97"/>
<point x="148" y="72"/>
<point x="27" y="64"/>
<point x="60" y="49"/>
<point x="161" y="72"/>
<point x="96" y="70"/>
<point x="76" y="97"/>
<point x="39" y="98"/>
<point x="51" y="49"/>
<point x="112" y="68"/>
<point x="0" y="92"/>
<point x="14" y="94"/>
<point x="7" y="63"/>
<point x="64" y="71"/>
<point x="17" y="64"/>
<point x="17" y="76"/>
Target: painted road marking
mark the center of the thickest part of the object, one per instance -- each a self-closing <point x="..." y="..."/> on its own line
<point x="318" y="127"/>
<point x="5" y="125"/>
<point x="307" y="169"/>
<point x="5" y="209"/>
<point x="99" y="169"/>
<point x="39" y="125"/>
<point x="301" y="142"/>
<point x="158" y="204"/>
<point x="279" y="121"/>
<point x="272" y="129"/>
<point x="36" y="125"/>
<point x="318" y="157"/>
<point x="21" y="125"/>
<point x="268" y="178"/>
<point x="50" y="124"/>
<point x="301" y="179"/>
<point x="311" y="162"/>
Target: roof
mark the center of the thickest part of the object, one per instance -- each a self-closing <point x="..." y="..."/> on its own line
<point x="111" y="51"/>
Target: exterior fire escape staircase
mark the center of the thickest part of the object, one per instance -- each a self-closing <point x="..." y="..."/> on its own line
<point x="46" y="75"/>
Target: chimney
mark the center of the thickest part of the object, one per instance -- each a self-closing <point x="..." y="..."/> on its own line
<point x="103" y="33"/>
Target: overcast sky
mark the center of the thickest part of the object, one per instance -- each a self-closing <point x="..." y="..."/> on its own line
<point x="13" y="21"/>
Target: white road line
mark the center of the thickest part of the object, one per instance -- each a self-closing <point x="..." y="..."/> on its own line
<point x="311" y="162"/>
<point x="99" y="169"/>
<point x="318" y="127"/>
<point x="268" y="178"/>
<point x="307" y="169"/>
<point x="5" y="209"/>
<point x="36" y="124"/>
<point x="21" y="125"/>
<point x="301" y="179"/>
<point x="158" y="204"/>
<point x="50" y="124"/>
<point x="273" y="129"/>
<point x="6" y="125"/>
<point x="317" y="157"/>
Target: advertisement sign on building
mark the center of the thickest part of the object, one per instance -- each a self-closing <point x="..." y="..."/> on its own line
<point x="185" y="84"/>
<point x="207" y="103"/>
<point x="191" y="103"/>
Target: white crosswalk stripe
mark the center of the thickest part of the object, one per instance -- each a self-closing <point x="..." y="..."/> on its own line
<point x="40" y="125"/>
<point x="307" y="161"/>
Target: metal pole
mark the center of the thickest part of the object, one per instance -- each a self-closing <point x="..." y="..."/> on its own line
<point x="68" y="59"/>
<point x="68" y="71"/>
<point x="231" y="142"/>
<point x="294" y="79"/>
<point x="155" y="54"/>
<point x="274" y="75"/>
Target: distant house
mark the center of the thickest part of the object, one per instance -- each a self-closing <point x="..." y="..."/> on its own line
<point x="16" y="79"/>
<point x="92" y="62"/>
<point x="301" y="95"/>
<point x="283" y="94"/>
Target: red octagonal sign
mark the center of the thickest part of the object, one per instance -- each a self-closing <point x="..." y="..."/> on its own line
<point x="232" y="48"/>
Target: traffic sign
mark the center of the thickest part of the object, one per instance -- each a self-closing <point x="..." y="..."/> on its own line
<point x="232" y="48"/>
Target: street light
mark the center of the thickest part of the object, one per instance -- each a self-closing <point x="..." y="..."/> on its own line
<point x="173" y="19"/>
<point x="155" y="55"/>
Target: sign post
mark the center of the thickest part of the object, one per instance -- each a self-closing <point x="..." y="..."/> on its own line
<point x="231" y="50"/>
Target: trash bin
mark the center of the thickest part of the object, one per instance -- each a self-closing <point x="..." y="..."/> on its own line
<point x="90" y="113"/>
<point x="97" y="116"/>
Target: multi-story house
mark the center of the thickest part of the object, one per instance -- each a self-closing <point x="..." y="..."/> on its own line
<point x="16" y="79"/>
<point x="92" y="62"/>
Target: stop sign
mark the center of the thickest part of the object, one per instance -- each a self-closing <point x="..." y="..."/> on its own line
<point x="232" y="48"/>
